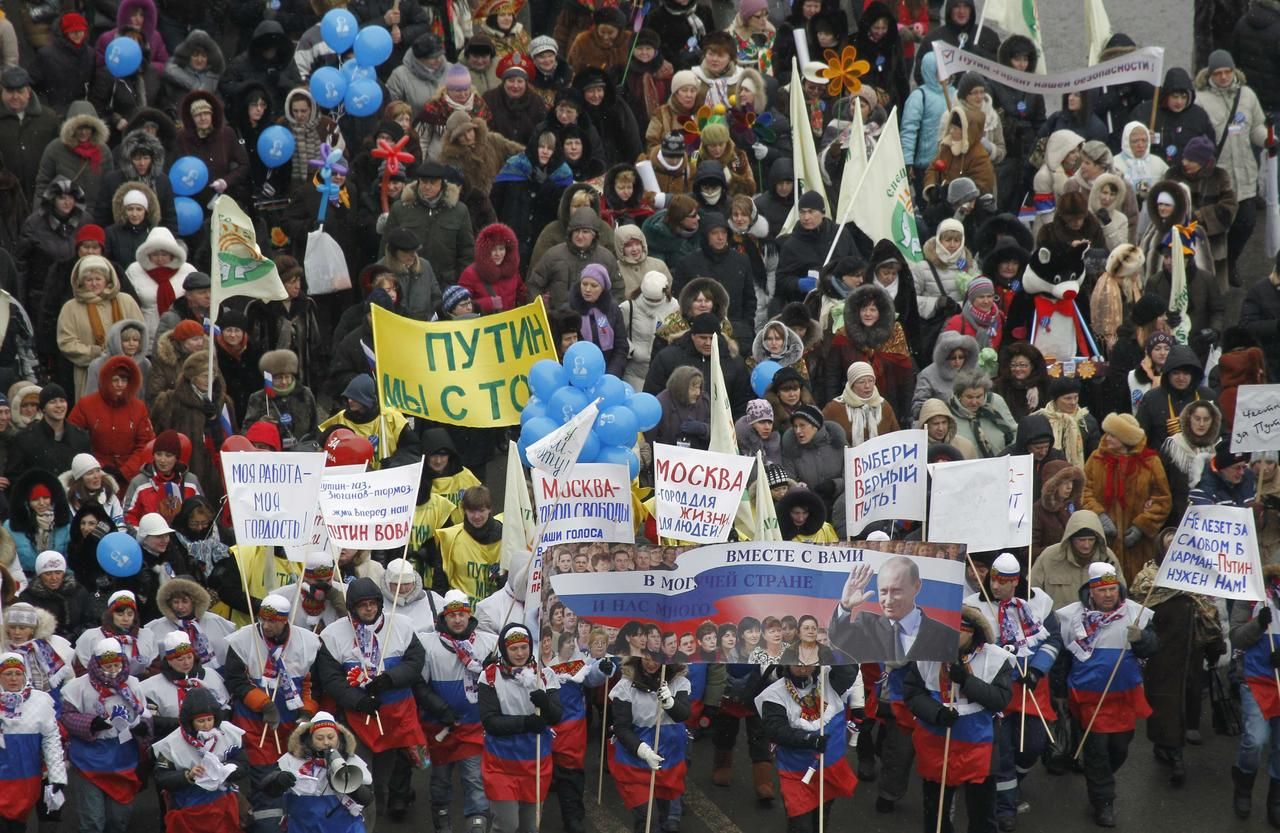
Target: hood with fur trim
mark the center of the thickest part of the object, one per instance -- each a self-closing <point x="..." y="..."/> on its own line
<point x="796" y="315"/>
<point x="793" y="347"/>
<point x="67" y="133"/>
<point x="489" y="237"/>
<point x="800" y="497"/>
<point x="448" y="197"/>
<point x="128" y="7"/>
<point x="949" y="340"/>
<point x="1181" y="204"/>
<point x="566" y="200"/>
<point x="116" y="333"/>
<point x="116" y="365"/>
<point x="312" y="120"/>
<point x="200" y="39"/>
<point x="46" y="626"/>
<point x="863" y="337"/>
<point x="175" y="586"/>
<point x="161" y="240"/>
<point x="1095" y="193"/>
<point x="1059" y="146"/>
<point x="153" y="203"/>
<point x="622" y="235"/>
<point x="139" y="138"/>
<point x="1055" y="473"/>
<point x="184" y="109"/>
<point x="300" y="742"/>
<point x="936" y="407"/>
<point x="111" y="290"/>
<point x="1018" y="45"/>
<point x="20" y="517"/>
<point x="706" y="286"/>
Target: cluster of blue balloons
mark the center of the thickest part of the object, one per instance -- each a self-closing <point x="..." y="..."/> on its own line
<point x="123" y="57"/>
<point x="119" y="555"/>
<point x="188" y="175"/>
<point x="560" y="391"/>
<point x="355" y="85"/>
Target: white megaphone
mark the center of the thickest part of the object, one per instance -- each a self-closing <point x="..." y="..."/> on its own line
<point x="344" y="777"/>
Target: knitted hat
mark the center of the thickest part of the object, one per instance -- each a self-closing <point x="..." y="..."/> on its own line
<point x="233" y="318"/>
<point x="95" y="263"/>
<point x="185" y="329"/>
<point x="777" y="475"/>
<point x="39" y="491"/>
<point x="455" y="601"/>
<point x="859" y="370"/>
<point x="361" y="389"/>
<point x="453" y="296"/>
<point x="750" y="8"/>
<point x="516" y="635"/>
<point x="515" y="65"/>
<point x="120" y="600"/>
<point x="812" y="200"/>
<point x="427" y="46"/>
<point x="543" y="43"/>
<point x="713" y="220"/>
<point x="705" y="324"/>
<point x="759" y="410"/>
<point x="274" y="608"/>
<point x="457" y="78"/>
<point x="200" y="105"/>
<point x="177" y="643"/>
<point x="51" y="392"/>
<point x="673" y="145"/>
<point x="134" y="197"/>
<point x="1156" y="339"/>
<point x="810" y="414"/>
<point x="962" y="189"/>
<point x="108" y="650"/>
<point x="1218" y="59"/>
<point x="1006" y="564"/>
<point x="50" y="561"/>
<point x="1125" y="428"/>
<point x="1200" y="150"/>
<point x="653" y="286"/>
<point x="683" y="78"/>
<point x="597" y="273"/>
<point x="1102" y="574"/>
<point x="979" y="286"/>
<point x="168" y="442"/>
<point x="715" y="133"/>
<point x="322" y="720"/>
<point x="196" y="280"/>
<point x="21" y="613"/>
<point x="82" y="464"/>
<point x="1147" y="309"/>
<point x="91" y="231"/>
<point x="1223" y="458"/>
<point x="968" y="83"/>
<point x="10" y="660"/>
<point x="74" y="22"/>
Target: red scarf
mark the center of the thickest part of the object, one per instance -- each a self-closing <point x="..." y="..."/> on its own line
<point x="186" y="685"/>
<point x="91" y="152"/>
<point x="164" y="290"/>
<point x="1119" y="469"/>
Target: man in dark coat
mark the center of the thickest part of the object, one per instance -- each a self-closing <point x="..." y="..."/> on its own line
<point x="49" y="443"/>
<point x="612" y="118"/>
<point x="26" y="127"/>
<point x="959" y="28"/>
<point x="269" y="54"/>
<point x="1254" y="48"/>
<point x="1260" y="315"/>
<point x="805" y="249"/>
<point x="903" y="632"/>
<point x="694" y="349"/>
<point x="1178" y="120"/>
<point x="729" y="268"/>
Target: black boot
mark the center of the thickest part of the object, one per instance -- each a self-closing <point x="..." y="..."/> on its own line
<point x="1104" y="814"/>
<point x="1242" y="797"/>
<point x="1273" y="803"/>
<point x="1178" y="776"/>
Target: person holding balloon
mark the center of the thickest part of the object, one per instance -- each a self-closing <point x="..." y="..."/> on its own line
<point x="268" y="145"/>
<point x="310" y="129"/>
<point x="205" y="136"/>
<point x="128" y="80"/>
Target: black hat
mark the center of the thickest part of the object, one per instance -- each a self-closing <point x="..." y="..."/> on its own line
<point x="431" y="169"/>
<point x="195" y="280"/>
<point x="673" y="145"/>
<point x="810" y="414"/>
<point x="402" y="240"/>
<point x="15" y="78"/>
<point x="713" y="220"/>
<point x="705" y="324"/>
<point x="610" y="16"/>
<point x="648" y="37"/>
<point x="777" y="475"/>
<point x="1147" y="309"/>
<point x="427" y="46"/>
<point x="1224" y="457"/>
<point x="1062" y="386"/>
<point x="233" y="318"/>
<point x="51" y="392"/>
<point x="785" y="376"/>
<point x="813" y="200"/>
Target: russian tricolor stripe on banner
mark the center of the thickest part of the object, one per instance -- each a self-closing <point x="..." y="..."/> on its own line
<point x="466" y="736"/>
<point x="508" y="766"/>
<point x="970" y="753"/>
<point x="398" y="711"/>
<point x="631" y="775"/>
<point x="801" y="798"/>
<point x="570" y="743"/>
<point x="196" y="810"/>
<point x="108" y="765"/>
<point x="20" y="769"/>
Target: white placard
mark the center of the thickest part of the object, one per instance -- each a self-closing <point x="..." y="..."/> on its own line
<point x="1215" y="553"/>
<point x="315" y="538"/>
<point x="592" y="503"/>
<point x="697" y="492"/>
<point x="885" y="479"/>
<point x="272" y="494"/>
<point x="370" y="510"/>
<point x="1257" y="423"/>
<point x="985" y="504"/>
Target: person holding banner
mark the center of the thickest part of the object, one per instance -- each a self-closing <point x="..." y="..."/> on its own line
<point x="518" y="703"/>
<point x="368" y="662"/>
<point x="448" y="708"/>
<point x="268" y="674"/>
<point x="1253" y="630"/>
<point x="647" y="764"/>
<point x="1228" y="481"/>
<point x="1022" y="619"/>
<point x="955" y="705"/>
<point x="808" y="727"/>
<point x="1106" y="634"/>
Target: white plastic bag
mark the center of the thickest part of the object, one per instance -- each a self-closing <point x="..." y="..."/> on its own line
<point x="324" y="264"/>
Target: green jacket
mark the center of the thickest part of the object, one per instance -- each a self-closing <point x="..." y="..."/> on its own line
<point x="443" y="230"/>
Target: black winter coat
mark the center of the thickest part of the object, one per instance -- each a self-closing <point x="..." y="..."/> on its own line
<point x="1260" y="315"/>
<point x="69" y="604"/>
<point x="737" y="380"/>
<point x="1176" y="129"/>
<point x="803" y="250"/>
<point x="62" y="73"/>
<point x="732" y="270"/>
<point x="253" y="67"/>
<point x="1254" y="48"/>
<point x="36" y="448"/>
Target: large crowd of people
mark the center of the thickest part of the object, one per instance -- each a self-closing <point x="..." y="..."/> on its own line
<point x="633" y="167"/>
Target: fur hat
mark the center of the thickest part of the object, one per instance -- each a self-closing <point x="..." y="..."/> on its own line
<point x="1147" y="309"/>
<point x="962" y="189"/>
<point x="1126" y="260"/>
<point x="276" y="362"/>
<point x="1125" y="428"/>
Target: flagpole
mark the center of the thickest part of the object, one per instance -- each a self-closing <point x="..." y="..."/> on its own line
<point x="942" y="786"/>
<point x="1114" y="669"/>
<point x="604" y="732"/>
<point x="657" y="735"/>
<point x="822" y="756"/>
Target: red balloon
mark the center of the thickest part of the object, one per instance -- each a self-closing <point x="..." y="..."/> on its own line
<point x="237" y="442"/>
<point x="348" y="451"/>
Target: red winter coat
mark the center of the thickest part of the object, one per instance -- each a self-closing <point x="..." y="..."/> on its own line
<point x="495" y="287"/>
<point x="119" y="430"/>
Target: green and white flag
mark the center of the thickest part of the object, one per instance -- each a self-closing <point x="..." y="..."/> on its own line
<point x="724" y="438"/>
<point x="766" y="517"/>
<point x="1017" y="17"/>
<point x="882" y="206"/>
<point x="808" y="171"/>
<point x="239" y="267"/>
<point x="1097" y="28"/>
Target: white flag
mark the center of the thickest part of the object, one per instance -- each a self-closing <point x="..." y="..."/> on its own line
<point x="766" y="516"/>
<point x="808" y="171"/>
<point x="724" y="438"/>
<point x="882" y="206"/>
<point x="558" y="451"/>
<point x="1017" y="17"/>
<point x="1097" y="28"/>
<point x="517" y="519"/>
<point x="855" y="163"/>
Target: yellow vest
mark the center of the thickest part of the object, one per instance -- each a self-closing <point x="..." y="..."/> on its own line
<point x="427" y="518"/>
<point x="252" y="564"/>
<point x="825" y="535"/>
<point x="467" y="562"/>
<point x="390" y="423"/>
<point x="451" y="488"/>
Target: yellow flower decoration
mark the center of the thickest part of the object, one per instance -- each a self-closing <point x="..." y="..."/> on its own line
<point x="844" y="71"/>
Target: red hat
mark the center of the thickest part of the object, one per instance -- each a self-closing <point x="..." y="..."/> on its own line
<point x="38" y="491"/>
<point x="73" y="22"/>
<point x="168" y="443"/>
<point x="264" y="433"/>
<point x="187" y="329"/>
<point x="90" y="231"/>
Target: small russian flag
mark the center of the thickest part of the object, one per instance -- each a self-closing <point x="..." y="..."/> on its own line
<point x="267" y="384"/>
<point x="217" y="331"/>
<point x="369" y="356"/>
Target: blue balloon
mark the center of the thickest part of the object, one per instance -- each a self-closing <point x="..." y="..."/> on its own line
<point x="566" y="402"/>
<point x="123" y="57"/>
<point x="188" y="176"/>
<point x="190" y="215"/>
<point x="591" y="448"/>
<point x="546" y="377"/>
<point x="119" y="555"/>
<point x="647" y="408"/>
<point x="275" y="146"/>
<point x="339" y="28"/>
<point x="373" y="46"/>
<point x="363" y="98"/>
<point x="611" y="390"/>
<point x="762" y="376"/>
<point x="535" y="407"/>
<point x="351" y="70"/>
<point x="328" y="86"/>
<point x="537" y="428"/>
<point x="617" y="425"/>
<point x="585" y="364"/>
<point x="620" y="456"/>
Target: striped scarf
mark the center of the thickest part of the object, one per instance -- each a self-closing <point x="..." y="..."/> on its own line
<point x="1017" y="622"/>
<point x="1091" y="624"/>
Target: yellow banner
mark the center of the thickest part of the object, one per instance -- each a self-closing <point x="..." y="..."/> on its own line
<point x="473" y="372"/>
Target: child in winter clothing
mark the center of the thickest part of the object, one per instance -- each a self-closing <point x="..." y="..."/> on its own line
<point x="289" y="405"/>
<point x="125" y="338"/>
<point x="493" y="278"/>
<point x="163" y="484"/>
<point x="648" y="306"/>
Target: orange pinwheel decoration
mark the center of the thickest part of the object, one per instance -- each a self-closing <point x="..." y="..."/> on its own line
<point x="844" y="71"/>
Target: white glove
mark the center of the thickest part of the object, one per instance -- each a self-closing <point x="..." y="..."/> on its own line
<point x="219" y="185"/>
<point x="987" y="145"/>
<point x="54" y="797"/>
<point x="665" y="698"/>
<point x="759" y="150"/>
<point x="527" y="678"/>
<point x="646" y="754"/>
<point x="381" y="223"/>
<point x="660" y="201"/>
